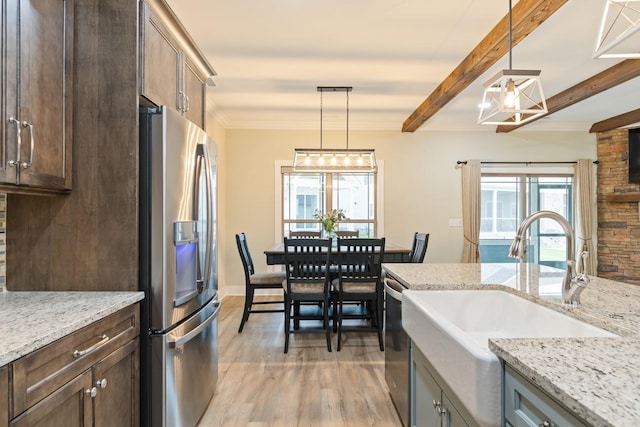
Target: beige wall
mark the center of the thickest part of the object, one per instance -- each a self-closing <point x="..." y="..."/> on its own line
<point x="422" y="184"/>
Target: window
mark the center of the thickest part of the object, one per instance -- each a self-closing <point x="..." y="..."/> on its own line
<point x="304" y="193"/>
<point x="507" y="199"/>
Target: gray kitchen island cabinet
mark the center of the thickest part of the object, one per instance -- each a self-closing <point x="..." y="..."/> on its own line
<point x="432" y="403"/>
<point x="525" y="404"/>
<point x="37" y="63"/>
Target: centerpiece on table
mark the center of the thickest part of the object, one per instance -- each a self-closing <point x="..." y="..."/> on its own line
<point x="329" y="221"/>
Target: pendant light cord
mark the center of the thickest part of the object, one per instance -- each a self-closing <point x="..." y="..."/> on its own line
<point x="510" y="36"/>
<point x="347" y="119"/>
<point x="321" y="119"/>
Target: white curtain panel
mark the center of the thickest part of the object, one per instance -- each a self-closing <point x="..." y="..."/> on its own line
<point x="585" y="199"/>
<point x="471" y="173"/>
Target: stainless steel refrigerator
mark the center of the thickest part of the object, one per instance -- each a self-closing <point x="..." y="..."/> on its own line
<point x="178" y="269"/>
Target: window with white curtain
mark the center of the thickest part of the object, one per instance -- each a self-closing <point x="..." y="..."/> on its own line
<point x="303" y="193"/>
<point x="507" y="198"/>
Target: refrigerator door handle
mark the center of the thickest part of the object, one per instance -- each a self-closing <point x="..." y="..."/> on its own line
<point x="175" y="342"/>
<point x="203" y="281"/>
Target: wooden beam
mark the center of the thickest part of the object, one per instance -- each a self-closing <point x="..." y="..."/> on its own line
<point x="527" y="15"/>
<point x="616" y="122"/>
<point x="605" y="80"/>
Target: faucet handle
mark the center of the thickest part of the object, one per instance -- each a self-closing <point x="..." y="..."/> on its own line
<point x="581" y="263"/>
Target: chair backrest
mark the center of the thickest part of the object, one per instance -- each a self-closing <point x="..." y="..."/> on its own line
<point x="307" y="261"/>
<point x="245" y="255"/>
<point x="347" y="233"/>
<point x="304" y="233"/>
<point x="360" y="259"/>
<point x="419" y="248"/>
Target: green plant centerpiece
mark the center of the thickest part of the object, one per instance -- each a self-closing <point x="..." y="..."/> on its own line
<point x="329" y="220"/>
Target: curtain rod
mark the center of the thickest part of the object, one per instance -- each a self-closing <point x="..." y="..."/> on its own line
<point x="464" y="162"/>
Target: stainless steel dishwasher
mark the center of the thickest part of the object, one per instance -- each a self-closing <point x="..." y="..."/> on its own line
<point x="396" y="355"/>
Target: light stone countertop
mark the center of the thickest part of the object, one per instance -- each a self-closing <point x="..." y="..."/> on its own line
<point x="597" y="378"/>
<point x="31" y="320"/>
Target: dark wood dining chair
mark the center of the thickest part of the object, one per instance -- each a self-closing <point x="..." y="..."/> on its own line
<point x="419" y="247"/>
<point x="304" y="234"/>
<point x="359" y="281"/>
<point x="347" y="233"/>
<point x="253" y="281"/>
<point x="307" y="270"/>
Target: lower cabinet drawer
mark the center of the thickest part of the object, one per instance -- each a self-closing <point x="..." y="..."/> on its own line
<point x="527" y="405"/>
<point x="46" y="370"/>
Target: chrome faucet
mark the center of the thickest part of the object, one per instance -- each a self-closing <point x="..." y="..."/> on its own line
<point x="575" y="279"/>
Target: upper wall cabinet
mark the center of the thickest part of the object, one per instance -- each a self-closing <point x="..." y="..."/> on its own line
<point x="174" y="71"/>
<point x="37" y="103"/>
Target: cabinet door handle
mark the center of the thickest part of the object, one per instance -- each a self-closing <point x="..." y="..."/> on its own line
<point x="26" y="124"/>
<point x="13" y="120"/>
<point x="91" y="392"/>
<point x="188" y="107"/>
<point x="182" y="97"/>
<point x="103" y="340"/>
<point x="101" y="383"/>
<point x="545" y="423"/>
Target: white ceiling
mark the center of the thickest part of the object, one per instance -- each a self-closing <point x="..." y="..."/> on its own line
<point x="270" y="56"/>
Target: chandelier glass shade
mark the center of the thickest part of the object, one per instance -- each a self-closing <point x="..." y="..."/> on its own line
<point x="512" y="97"/>
<point x="620" y="21"/>
<point x="344" y="160"/>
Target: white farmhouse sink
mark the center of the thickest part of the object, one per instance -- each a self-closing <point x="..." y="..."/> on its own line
<point x="452" y="329"/>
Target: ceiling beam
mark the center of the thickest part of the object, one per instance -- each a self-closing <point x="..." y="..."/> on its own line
<point x="527" y="15"/>
<point x="616" y="122"/>
<point x="605" y="80"/>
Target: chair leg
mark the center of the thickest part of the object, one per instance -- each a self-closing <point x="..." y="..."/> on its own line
<point x="380" y="323"/>
<point x="296" y="315"/>
<point x="327" y="326"/>
<point x="248" y="302"/>
<point x="287" y="322"/>
<point x="339" y="324"/>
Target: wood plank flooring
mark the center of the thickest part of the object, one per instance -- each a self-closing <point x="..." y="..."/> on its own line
<point x="260" y="386"/>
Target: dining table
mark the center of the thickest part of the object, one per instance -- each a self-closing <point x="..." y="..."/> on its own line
<point x="392" y="254"/>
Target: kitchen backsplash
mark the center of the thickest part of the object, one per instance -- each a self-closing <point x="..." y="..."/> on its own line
<point x="3" y="241"/>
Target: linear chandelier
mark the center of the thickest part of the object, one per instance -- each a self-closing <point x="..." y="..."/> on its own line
<point x="620" y="21"/>
<point x="334" y="160"/>
<point x="512" y="97"/>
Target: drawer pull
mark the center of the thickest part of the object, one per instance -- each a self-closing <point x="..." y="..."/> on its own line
<point x="545" y="424"/>
<point x="103" y="340"/>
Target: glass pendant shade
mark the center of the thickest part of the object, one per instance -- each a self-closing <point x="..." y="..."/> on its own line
<point x="618" y="36"/>
<point x="512" y="97"/>
<point x="336" y="160"/>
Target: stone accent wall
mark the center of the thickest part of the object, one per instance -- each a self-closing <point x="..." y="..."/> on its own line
<point x="618" y="222"/>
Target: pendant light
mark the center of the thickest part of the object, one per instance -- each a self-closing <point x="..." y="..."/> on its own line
<point x="334" y="160"/>
<point x="512" y="97"/>
<point x="620" y="21"/>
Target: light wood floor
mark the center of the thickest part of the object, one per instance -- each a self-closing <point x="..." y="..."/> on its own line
<point x="260" y="386"/>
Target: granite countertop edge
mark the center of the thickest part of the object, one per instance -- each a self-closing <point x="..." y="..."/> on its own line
<point x="32" y="320"/>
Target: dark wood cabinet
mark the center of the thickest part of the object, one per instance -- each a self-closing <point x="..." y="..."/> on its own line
<point x="170" y="76"/>
<point x="38" y="103"/>
<point x="117" y="400"/>
<point x="69" y="406"/>
<point x="4" y="396"/>
<point x="88" y="378"/>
